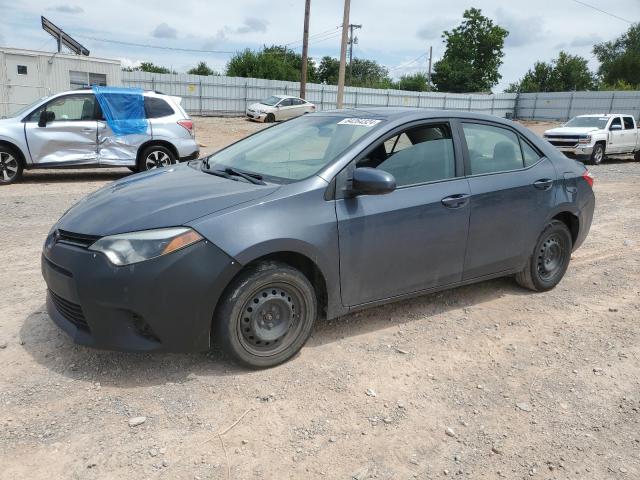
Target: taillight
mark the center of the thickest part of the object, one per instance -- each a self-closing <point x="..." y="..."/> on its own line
<point x="187" y="124"/>
<point x="588" y="177"/>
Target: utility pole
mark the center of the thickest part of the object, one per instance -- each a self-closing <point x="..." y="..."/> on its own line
<point x="429" y="71"/>
<point x="343" y="54"/>
<point x="352" y="40"/>
<point x="305" y="50"/>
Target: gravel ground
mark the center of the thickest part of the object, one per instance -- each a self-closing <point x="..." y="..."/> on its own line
<point x="485" y="381"/>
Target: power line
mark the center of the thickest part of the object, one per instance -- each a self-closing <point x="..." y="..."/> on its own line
<point x="406" y="64"/>
<point x="602" y="11"/>
<point x="159" y="47"/>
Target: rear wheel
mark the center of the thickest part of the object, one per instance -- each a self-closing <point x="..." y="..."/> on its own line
<point x="10" y="166"/>
<point x="156" y="156"/>
<point x="597" y="155"/>
<point x="266" y="315"/>
<point x="636" y="156"/>
<point x="550" y="258"/>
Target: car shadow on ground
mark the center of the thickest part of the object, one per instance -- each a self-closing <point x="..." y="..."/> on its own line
<point x="60" y="176"/>
<point x="54" y="350"/>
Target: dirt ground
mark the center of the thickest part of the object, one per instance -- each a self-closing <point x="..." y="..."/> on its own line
<point x="483" y="382"/>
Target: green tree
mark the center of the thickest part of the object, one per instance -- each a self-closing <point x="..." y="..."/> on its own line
<point x="473" y="55"/>
<point x="328" y="70"/>
<point x="563" y="74"/>
<point x="620" y="59"/>
<point x="148" y="67"/>
<point x="202" y="69"/>
<point x="417" y="82"/>
<point x="275" y="63"/>
<point x="364" y="73"/>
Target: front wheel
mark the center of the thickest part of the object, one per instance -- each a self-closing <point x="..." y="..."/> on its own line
<point x="156" y="156"/>
<point x="266" y="315"/>
<point x="549" y="260"/>
<point x="270" y="118"/>
<point x="636" y="156"/>
<point x="597" y="155"/>
<point x="10" y="166"/>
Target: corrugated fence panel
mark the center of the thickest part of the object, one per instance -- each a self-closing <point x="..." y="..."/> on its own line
<point x="210" y="95"/>
<point x="565" y="105"/>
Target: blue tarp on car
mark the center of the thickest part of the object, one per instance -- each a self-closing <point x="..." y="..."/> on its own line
<point x="123" y="109"/>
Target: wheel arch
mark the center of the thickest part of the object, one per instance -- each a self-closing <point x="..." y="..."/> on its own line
<point x="572" y="222"/>
<point x="300" y="262"/>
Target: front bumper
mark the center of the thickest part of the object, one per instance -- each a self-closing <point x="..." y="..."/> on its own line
<point x="258" y="116"/>
<point x="163" y="304"/>
<point x="577" y="151"/>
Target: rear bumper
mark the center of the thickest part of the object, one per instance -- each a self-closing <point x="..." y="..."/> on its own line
<point x="163" y="304"/>
<point x="585" y="218"/>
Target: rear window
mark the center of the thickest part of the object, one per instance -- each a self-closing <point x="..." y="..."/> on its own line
<point x="156" y="107"/>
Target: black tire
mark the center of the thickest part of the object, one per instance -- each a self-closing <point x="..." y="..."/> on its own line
<point x="636" y="156"/>
<point x="11" y="166"/>
<point x="597" y="155"/>
<point x="265" y="316"/>
<point x="155" y="156"/>
<point x="549" y="260"/>
<point x="270" y="118"/>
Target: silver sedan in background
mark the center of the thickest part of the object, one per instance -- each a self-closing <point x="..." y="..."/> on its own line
<point x="279" y="107"/>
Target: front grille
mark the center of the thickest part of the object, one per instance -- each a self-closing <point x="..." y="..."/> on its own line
<point x="69" y="310"/>
<point x="76" y="239"/>
<point x="563" y="140"/>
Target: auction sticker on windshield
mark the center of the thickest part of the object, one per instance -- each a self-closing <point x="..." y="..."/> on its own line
<point x="360" y="122"/>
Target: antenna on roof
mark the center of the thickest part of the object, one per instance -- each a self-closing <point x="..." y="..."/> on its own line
<point x="63" y="38"/>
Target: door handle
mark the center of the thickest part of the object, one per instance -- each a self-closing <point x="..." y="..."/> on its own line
<point x="543" y="184"/>
<point x="456" y="201"/>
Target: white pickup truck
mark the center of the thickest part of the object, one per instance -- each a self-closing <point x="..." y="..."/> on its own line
<point x="591" y="138"/>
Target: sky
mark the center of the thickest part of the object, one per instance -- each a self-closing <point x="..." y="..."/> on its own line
<point x="396" y="34"/>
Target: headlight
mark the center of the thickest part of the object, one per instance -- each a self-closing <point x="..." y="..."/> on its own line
<point x="134" y="247"/>
<point x="586" y="139"/>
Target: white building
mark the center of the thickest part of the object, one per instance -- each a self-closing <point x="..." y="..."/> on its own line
<point x="26" y="75"/>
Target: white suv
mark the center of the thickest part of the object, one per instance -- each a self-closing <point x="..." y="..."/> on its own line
<point x="69" y="130"/>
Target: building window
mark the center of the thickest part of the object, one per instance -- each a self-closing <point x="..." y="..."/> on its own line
<point x="22" y="69"/>
<point x="86" y="79"/>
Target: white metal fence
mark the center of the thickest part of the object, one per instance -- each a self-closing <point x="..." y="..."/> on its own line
<point x="214" y="95"/>
<point x="565" y="105"/>
<point x="217" y="95"/>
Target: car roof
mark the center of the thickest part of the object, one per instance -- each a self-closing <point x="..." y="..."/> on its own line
<point x="144" y="92"/>
<point x="410" y="113"/>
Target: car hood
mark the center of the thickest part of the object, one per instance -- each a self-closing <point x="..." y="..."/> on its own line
<point x="160" y="198"/>
<point x="259" y="107"/>
<point x="571" y="130"/>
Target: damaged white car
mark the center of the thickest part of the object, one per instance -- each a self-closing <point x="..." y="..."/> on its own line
<point x="72" y="129"/>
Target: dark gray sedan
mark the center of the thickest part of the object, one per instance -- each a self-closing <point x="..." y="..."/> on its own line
<point x="313" y="218"/>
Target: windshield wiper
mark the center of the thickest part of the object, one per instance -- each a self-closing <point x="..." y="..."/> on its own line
<point x="254" y="178"/>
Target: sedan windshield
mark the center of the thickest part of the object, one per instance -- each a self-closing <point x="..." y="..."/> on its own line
<point x="271" y="101"/>
<point x="293" y="150"/>
<point x="596" y="122"/>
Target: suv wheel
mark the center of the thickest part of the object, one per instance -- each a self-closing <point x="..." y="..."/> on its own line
<point x="266" y="315"/>
<point x="597" y="155"/>
<point x="10" y="166"/>
<point x="156" y="156"/>
<point x="550" y="258"/>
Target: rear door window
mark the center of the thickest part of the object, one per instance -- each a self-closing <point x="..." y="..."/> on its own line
<point x="628" y="123"/>
<point x="492" y="149"/>
<point x="157" y="107"/>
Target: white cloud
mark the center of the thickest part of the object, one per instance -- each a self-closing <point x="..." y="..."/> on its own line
<point x="434" y="27"/>
<point x="163" y="30"/>
<point x="67" y="8"/>
<point x="253" y="24"/>
<point x="523" y="31"/>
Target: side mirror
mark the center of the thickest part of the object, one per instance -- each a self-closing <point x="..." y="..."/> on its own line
<point x="371" y="181"/>
<point x="615" y="127"/>
<point x="46" y="117"/>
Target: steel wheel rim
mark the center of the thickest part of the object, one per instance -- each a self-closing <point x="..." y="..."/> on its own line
<point x="551" y="257"/>
<point x="157" y="159"/>
<point x="8" y="167"/>
<point x="271" y="319"/>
